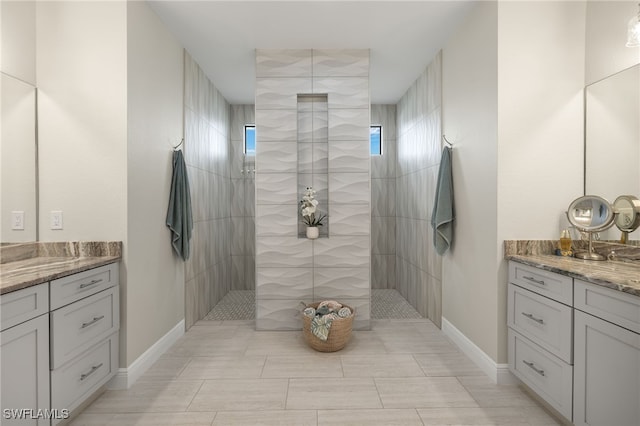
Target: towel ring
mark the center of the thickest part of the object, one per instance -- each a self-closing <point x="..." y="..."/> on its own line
<point x="444" y="138"/>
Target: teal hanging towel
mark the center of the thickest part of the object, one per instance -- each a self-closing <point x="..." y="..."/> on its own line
<point x="443" y="210"/>
<point x="179" y="215"/>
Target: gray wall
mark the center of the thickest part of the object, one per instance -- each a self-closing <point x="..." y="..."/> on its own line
<point x="243" y="262"/>
<point x="292" y="269"/>
<point x="206" y="149"/>
<point x="418" y="267"/>
<point x="383" y="201"/>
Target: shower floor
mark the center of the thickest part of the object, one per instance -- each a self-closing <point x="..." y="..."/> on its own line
<point x="241" y="305"/>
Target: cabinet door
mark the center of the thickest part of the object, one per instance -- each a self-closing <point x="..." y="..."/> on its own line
<point x="24" y="358"/>
<point x="606" y="373"/>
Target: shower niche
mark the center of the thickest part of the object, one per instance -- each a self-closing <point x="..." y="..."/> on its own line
<point x="313" y="156"/>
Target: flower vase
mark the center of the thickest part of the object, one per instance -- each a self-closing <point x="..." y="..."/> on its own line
<point x="312" y="232"/>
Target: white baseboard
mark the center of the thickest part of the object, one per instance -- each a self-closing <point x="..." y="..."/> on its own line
<point x="498" y="373"/>
<point x="126" y="377"/>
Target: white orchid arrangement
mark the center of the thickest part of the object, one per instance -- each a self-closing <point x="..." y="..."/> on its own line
<point x="308" y="208"/>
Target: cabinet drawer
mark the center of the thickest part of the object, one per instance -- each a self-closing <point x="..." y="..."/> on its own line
<point x="75" y="287"/>
<point x="22" y="305"/>
<point x="544" y="321"/>
<point x="75" y="380"/>
<point x="554" y="286"/>
<point x="610" y="305"/>
<point x="549" y="376"/>
<point x="78" y="326"/>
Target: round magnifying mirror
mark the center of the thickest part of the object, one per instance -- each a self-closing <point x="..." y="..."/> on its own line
<point x="590" y="213"/>
<point x="627" y="215"/>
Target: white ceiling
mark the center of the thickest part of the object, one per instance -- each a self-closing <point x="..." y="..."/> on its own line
<point x="222" y="36"/>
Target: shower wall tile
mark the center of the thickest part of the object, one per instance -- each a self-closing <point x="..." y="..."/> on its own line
<point x="379" y="271"/>
<point x="305" y="158"/>
<point x="276" y="125"/>
<point x="283" y="252"/>
<point x="277" y="220"/>
<point x="344" y="92"/>
<point x="237" y="272"/>
<point x="283" y="63"/>
<point x="276" y="188"/>
<point x="238" y="231"/>
<point x="349" y="124"/>
<point x="342" y="252"/>
<point x="289" y="268"/>
<point x="284" y="283"/>
<point x="340" y="283"/>
<point x="272" y="314"/>
<point x="280" y="93"/>
<point x="349" y="188"/>
<point x="276" y="157"/>
<point x="350" y="219"/>
<point x="340" y="62"/>
<point x="240" y="116"/>
<point x="349" y="156"/>
<point x="320" y="163"/>
<point x="418" y="124"/>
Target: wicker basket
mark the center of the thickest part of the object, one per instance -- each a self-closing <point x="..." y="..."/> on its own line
<point x="339" y="334"/>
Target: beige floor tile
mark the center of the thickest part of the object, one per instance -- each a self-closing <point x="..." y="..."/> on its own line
<point x="488" y="394"/>
<point x="315" y="365"/>
<point x="165" y="369"/>
<point x="206" y="341"/>
<point x="267" y="418"/>
<point x="423" y="392"/>
<point x="383" y="365"/>
<point x="241" y="395"/>
<point x="339" y="393"/>
<point x="378" y="417"/>
<point x="521" y="416"/>
<point x="223" y="367"/>
<point x="150" y="397"/>
<point x="145" y="419"/>
<point x="365" y="343"/>
<point x="278" y="343"/>
<point x="87" y="419"/>
<point x="448" y="364"/>
<point x="413" y="341"/>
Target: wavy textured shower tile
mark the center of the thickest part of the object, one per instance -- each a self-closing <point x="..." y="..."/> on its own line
<point x="340" y="62"/>
<point x="276" y="125"/>
<point x="280" y="93"/>
<point x="283" y="252"/>
<point x="283" y="62"/>
<point x="344" y="92"/>
<point x="343" y="252"/>
<point x="284" y="283"/>
<point x="349" y="156"/>
<point x="340" y="283"/>
<point x="349" y="124"/>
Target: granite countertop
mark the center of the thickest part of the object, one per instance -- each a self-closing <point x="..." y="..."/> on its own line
<point x="617" y="275"/>
<point x="26" y="265"/>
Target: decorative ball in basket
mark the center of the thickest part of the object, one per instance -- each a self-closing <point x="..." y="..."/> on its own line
<point x="327" y="325"/>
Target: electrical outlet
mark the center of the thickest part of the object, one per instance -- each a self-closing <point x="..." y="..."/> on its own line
<point x="17" y="220"/>
<point x="56" y="219"/>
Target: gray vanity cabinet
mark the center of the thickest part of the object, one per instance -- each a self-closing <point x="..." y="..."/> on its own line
<point x="607" y="357"/>
<point x="24" y="355"/>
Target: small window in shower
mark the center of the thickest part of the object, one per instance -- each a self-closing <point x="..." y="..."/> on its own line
<point x="250" y="139"/>
<point x="375" y="136"/>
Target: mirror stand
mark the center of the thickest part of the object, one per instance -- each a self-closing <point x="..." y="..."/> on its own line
<point x="589" y="254"/>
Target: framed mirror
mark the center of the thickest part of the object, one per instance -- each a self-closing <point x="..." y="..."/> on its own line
<point x="18" y="157"/>
<point x="612" y="141"/>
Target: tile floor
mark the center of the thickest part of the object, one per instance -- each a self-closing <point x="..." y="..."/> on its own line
<point x="402" y="372"/>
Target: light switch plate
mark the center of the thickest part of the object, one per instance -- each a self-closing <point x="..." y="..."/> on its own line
<point x="17" y="220"/>
<point x="56" y="219"/>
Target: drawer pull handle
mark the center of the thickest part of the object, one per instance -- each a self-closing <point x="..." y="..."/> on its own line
<point x="533" y="367"/>
<point x="93" y="370"/>
<point x="531" y="317"/>
<point x="93" y="321"/>
<point x="90" y="283"/>
<point x="541" y="282"/>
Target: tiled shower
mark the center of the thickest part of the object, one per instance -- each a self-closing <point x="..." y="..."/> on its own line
<point x="398" y="251"/>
